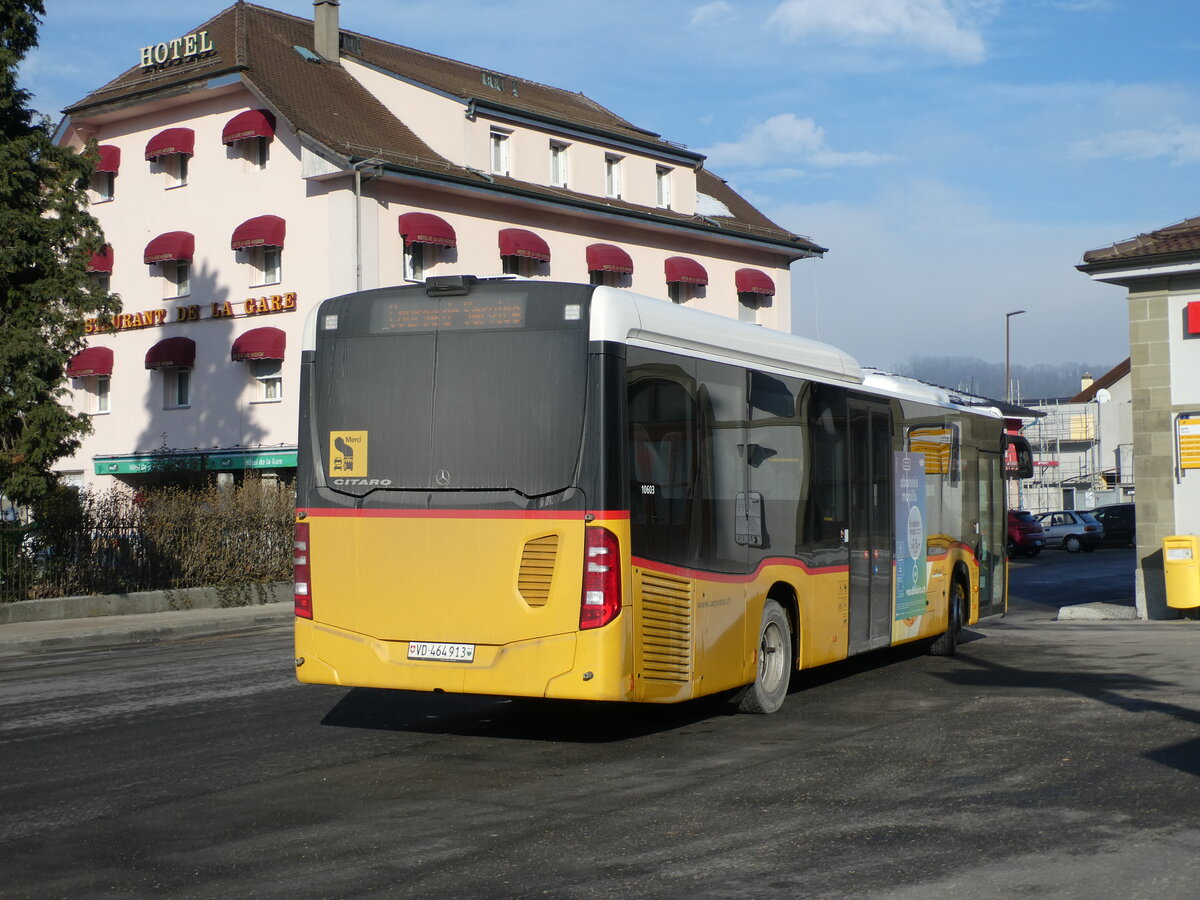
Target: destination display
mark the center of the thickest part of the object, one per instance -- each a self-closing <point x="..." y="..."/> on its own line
<point x="448" y="314"/>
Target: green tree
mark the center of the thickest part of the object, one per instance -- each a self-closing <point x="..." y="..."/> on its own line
<point x="47" y="237"/>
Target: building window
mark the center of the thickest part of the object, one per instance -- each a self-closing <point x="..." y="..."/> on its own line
<point x="749" y="305"/>
<point x="267" y="263"/>
<point x="177" y="278"/>
<point x="558" y="163"/>
<point x="258" y="151"/>
<point x="683" y="291"/>
<point x="524" y="266"/>
<point x="268" y="377"/>
<point x="102" y="392"/>
<point x="101" y="187"/>
<point x="662" y="177"/>
<point x="612" y="176"/>
<point x="500" y="161"/>
<point x="177" y="388"/>
<point x="176" y="167"/>
<point x="415" y="263"/>
<point x="102" y="281"/>
<point x="96" y="393"/>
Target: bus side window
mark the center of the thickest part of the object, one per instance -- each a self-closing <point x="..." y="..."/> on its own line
<point x="826" y="516"/>
<point x="663" y="446"/>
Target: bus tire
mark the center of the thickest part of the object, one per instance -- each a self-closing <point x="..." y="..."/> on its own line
<point x="946" y="644"/>
<point x="769" y="689"/>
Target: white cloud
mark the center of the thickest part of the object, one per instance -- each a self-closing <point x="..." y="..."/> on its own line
<point x="1179" y="143"/>
<point x="784" y="140"/>
<point x="710" y="12"/>
<point x="942" y="27"/>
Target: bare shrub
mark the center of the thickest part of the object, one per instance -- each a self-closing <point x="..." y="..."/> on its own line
<point x="237" y="539"/>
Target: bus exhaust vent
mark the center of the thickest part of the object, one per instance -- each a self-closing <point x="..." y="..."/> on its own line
<point x="666" y="626"/>
<point x="537" y="569"/>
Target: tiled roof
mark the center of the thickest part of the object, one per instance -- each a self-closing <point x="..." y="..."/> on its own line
<point x="1183" y="237"/>
<point x="1107" y="380"/>
<point x="325" y="102"/>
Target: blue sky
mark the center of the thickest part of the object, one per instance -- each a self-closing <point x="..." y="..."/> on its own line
<point x="957" y="157"/>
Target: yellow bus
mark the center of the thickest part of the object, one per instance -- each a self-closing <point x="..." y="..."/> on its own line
<point x="536" y="489"/>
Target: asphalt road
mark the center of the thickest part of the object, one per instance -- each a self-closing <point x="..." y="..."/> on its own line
<point x="1047" y="759"/>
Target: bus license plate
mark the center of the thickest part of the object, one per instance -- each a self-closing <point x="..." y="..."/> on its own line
<point x="441" y="652"/>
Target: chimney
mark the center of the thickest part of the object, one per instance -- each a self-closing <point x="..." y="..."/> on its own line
<point x="326" y="29"/>
<point x="1086" y="381"/>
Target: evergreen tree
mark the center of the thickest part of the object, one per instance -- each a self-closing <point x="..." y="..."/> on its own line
<point x="47" y="237"/>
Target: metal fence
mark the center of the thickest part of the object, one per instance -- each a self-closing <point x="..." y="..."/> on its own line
<point x="202" y="541"/>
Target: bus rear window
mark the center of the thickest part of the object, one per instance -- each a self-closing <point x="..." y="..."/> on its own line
<point x="479" y="392"/>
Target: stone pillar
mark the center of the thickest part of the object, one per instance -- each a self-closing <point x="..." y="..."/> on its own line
<point x="1153" y="449"/>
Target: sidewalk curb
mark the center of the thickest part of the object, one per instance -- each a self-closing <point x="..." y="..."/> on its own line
<point x="1097" y="612"/>
<point x="138" y="602"/>
<point x="139" y="628"/>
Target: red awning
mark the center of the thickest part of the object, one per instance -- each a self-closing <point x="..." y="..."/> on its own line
<point x="426" y="228"/>
<point x="173" y="140"/>
<point x="259" y="343"/>
<point x="752" y="281"/>
<point x="176" y="352"/>
<point x="607" y="258"/>
<point x="682" y="268"/>
<point x="102" y="261"/>
<point x="172" y="245"/>
<point x="110" y="158"/>
<point x="261" y="231"/>
<point x="519" y="242"/>
<point x="91" y="361"/>
<point x="253" y="123"/>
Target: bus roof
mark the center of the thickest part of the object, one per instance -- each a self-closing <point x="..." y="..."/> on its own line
<point x="629" y="318"/>
<point x="905" y="388"/>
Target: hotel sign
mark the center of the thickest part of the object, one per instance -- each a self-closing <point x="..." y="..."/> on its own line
<point x="190" y="46"/>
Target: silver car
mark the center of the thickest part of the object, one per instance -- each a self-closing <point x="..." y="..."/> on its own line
<point x="1072" y="530"/>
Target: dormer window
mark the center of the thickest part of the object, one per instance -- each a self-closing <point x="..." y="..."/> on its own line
<point x="662" y="178"/>
<point x="612" y="175"/>
<point x="500" y="160"/>
<point x="558" y="163"/>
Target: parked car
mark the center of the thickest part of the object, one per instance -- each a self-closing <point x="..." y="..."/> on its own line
<point x="1072" y="530"/>
<point x="1120" y="526"/>
<point x="1025" y="535"/>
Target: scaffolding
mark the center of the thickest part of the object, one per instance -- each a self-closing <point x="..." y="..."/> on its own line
<point x="1068" y="468"/>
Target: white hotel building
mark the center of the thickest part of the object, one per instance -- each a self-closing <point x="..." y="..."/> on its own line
<point x="264" y="162"/>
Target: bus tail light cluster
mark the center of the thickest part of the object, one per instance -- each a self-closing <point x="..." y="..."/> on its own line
<point x="601" y="600"/>
<point x="301" y="572"/>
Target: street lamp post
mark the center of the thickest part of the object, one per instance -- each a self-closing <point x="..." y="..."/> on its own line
<point x="1007" y="367"/>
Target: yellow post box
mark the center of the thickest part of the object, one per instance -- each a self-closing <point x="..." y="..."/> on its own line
<point x="1181" y="565"/>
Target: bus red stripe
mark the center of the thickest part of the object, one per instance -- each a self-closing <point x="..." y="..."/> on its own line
<point x="347" y="513"/>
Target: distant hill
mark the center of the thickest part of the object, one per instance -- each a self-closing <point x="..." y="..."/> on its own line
<point x="1030" y="383"/>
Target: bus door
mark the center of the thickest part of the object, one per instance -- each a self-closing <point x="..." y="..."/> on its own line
<point x="992" y="528"/>
<point x="871" y="525"/>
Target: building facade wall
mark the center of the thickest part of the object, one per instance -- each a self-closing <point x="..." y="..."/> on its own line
<point x="334" y="245"/>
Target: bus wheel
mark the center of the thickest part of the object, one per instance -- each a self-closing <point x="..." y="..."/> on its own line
<point x="767" y="693"/>
<point x="947" y="643"/>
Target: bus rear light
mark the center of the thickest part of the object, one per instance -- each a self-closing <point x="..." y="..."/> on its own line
<point x="300" y="572"/>
<point x="601" y="600"/>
